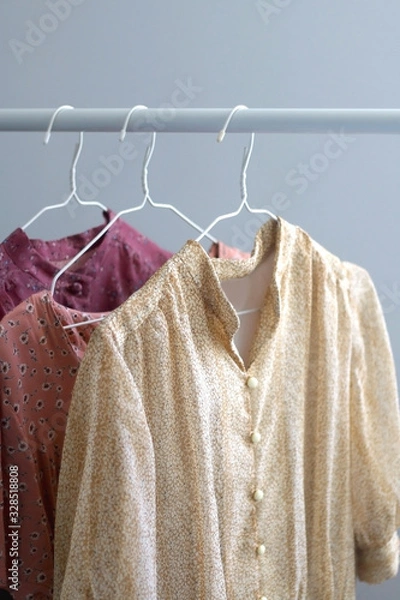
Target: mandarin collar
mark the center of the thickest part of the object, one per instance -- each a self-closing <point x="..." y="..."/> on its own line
<point x="208" y="273"/>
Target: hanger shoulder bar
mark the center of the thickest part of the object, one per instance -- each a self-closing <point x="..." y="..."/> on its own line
<point x="206" y="120"/>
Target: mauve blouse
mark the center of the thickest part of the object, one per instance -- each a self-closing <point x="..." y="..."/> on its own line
<point x="118" y="265"/>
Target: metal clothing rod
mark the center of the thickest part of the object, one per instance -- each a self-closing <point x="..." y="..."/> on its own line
<point x="206" y="120"/>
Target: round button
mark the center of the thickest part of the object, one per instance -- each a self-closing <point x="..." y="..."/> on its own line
<point x="258" y="495"/>
<point x="252" y="383"/>
<point x="263" y="598"/>
<point x="255" y="437"/>
<point x="261" y="549"/>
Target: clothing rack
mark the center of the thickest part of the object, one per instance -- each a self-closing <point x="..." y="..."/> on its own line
<point x="206" y="120"/>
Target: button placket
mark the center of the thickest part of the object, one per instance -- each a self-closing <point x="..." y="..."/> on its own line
<point x="255" y="436"/>
<point x="257" y="494"/>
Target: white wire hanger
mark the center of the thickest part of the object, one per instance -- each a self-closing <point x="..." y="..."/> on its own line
<point x="243" y="185"/>
<point x="147" y="199"/>
<point x="145" y="185"/>
<point x="243" y="189"/>
<point x="73" y="193"/>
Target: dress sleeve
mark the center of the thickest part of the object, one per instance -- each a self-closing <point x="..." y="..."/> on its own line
<point x="105" y="518"/>
<point x="374" y="436"/>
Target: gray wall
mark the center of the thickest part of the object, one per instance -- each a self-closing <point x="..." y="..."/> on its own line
<point x="291" y="53"/>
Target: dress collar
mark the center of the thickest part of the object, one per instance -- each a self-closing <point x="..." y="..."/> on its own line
<point x="207" y="273"/>
<point x="40" y="257"/>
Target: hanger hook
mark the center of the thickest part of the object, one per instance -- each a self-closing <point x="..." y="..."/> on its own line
<point x="50" y="127"/>
<point x="75" y="162"/>
<point x="146" y="162"/>
<point x="145" y="185"/>
<point x="243" y="174"/>
<point x="234" y="110"/>
<point x="128" y="116"/>
<point x="78" y="148"/>
<point x="243" y="187"/>
<point x="247" y="151"/>
<point x="148" y="153"/>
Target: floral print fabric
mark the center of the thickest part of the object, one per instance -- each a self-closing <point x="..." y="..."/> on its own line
<point x="39" y="362"/>
<point x="188" y="475"/>
<point x="104" y="277"/>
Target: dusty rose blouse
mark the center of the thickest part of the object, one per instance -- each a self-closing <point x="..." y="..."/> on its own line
<point x="39" y="361"/>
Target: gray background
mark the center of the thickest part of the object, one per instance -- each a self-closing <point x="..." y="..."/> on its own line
<point x="282" y="53"/>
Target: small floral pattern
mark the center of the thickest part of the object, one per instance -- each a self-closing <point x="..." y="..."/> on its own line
<point x="117" y="265"/>
<point x="39" y="361"/>
<point x="187" y="475"/>
<point x="36" y="386"/>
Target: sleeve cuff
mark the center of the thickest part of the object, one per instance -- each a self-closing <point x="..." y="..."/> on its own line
<point x="375" y="565"/>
